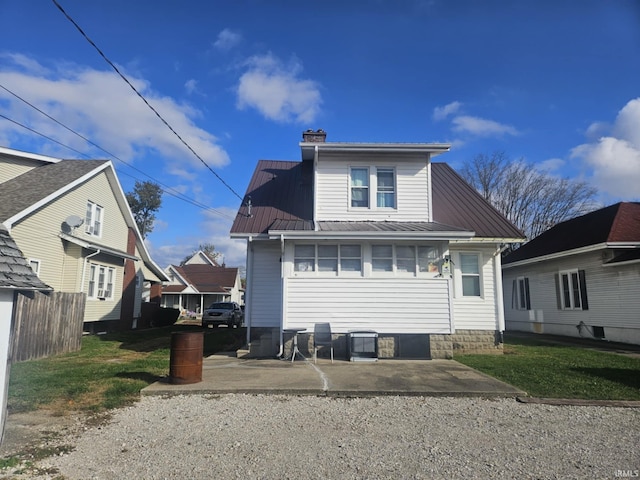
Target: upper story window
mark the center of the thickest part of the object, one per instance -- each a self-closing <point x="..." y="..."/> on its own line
<point x="573" y="290"/>
<point x="381" y="180"/>
<point x="93" y="220"/>
<point x="386" y="194"/>
<point x="470" y="270"/>
<point x="360" y="187"/>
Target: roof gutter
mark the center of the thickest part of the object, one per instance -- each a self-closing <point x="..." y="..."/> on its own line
<point x="99" y="248"/>
<point x="377" y="235"/>
<point x="575" y="251"/>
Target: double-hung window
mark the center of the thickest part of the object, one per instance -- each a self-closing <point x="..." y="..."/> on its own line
<point x="360" y="187"/>
<point x="304" y="258"/>
<point x="382" y="258"/>
<point x="93" y="219"/>
<point x="470" y="270"/>
<point x="386" y="188"/>
<point x="101" y="282"/>
<point x="521" y="299"/>
<point x="573" y="290"/>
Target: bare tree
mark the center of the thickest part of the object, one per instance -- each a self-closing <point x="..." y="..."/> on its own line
<point x="531" y="199"/>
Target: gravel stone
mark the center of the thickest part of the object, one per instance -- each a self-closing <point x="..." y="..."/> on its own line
<point x="304" y="437"/>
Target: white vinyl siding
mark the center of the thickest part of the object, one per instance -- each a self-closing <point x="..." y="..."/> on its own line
<point x="386" y="305"/>
<point x="265" y="285"/>
<point x="613" y="298"/>
<point x="334" y="188"/>
<point x="475" y="312"/>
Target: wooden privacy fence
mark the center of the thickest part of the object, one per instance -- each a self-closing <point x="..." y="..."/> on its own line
<point x="47" y="324"/>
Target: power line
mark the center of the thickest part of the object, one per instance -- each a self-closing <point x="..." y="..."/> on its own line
<point x="166" y="188"/>
<point x="170" y="191"/>
<point x="144" y="99"/>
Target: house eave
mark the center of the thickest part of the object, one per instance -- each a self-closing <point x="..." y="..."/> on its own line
<point x="492" y="240"/>
<point x="374" y="235"/>
<point x="97" y="247"/>
<point x="431" y="149"/>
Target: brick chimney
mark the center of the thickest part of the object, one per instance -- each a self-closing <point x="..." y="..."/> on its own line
<point x="318" y="136"/>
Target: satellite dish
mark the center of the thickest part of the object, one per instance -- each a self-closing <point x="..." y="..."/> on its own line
<point x="74" y="221"/>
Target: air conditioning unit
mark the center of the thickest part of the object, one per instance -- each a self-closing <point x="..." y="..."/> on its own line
<point x="107" y="293"/>
<point x="90" y="229"/>
<point x="100" y="293"/>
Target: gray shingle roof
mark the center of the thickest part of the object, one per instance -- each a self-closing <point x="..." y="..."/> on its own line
<point x="25" y="190"/>
<point x="15" y="272"/>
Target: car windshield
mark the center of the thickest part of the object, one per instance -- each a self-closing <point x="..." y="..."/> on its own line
<point x="221" y="306"/>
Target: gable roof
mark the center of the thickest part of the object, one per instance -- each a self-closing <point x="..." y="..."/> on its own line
<point x="25" y="193"/>
<point x="40" y="184"/>
<point x="15" y="272"/>
<point x="618" y="223"/>
<point x="281" y="195"/>
<point x="204" y="278"/>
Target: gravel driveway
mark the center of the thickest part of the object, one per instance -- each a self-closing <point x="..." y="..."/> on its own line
<point x="305" y="437"/>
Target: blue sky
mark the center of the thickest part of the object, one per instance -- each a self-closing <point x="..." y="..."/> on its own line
<point x="554" y="82"/>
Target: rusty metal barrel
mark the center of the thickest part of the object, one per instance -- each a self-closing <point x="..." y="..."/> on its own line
<point x="185" y="363"/>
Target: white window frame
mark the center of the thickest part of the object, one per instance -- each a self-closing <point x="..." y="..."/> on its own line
<point x="102" y="281"/>
<point x="568" y="297"/>
<point x="426" y="259"/>
<point x="464" y="275"/>
<point x="34" y="263"/>
<point x="314" y="262"/>
<point x="522" y="299"/>
<point x="373" y="188"/>
<point x="94" y="219"/>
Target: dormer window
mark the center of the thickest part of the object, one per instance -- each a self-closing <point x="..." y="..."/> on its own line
<point x="382" y="193"/>
<point x="360" y="187"/>
<point x="93" y="220"/>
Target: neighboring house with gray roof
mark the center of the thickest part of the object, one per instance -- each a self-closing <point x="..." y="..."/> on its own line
<point x="580" y="278"/>
<point x="15" y="276"/>
<point x="71" y="220"/>
<point x="372" y="237"/>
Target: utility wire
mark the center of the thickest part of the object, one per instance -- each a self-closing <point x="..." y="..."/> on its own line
<point x="144" y="99"/>
<point x="170" y="191"/>
<point x="166" y="188"/>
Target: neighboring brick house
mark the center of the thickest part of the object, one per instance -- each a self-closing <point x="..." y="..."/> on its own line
<point x="580" y="278"/>
<point x="72" y="221"/>
<point x="199" y="282"/>
<point x="375" y="237"/>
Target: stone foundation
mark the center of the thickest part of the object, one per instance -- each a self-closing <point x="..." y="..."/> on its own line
<point x="265" y="342"/>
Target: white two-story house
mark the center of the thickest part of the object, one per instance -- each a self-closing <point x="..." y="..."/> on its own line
<point x="372" y="237"/>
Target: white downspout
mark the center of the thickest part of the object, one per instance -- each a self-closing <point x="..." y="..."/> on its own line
<point x="282" y="297"/>
<point x="84" y="268"/>
<point x="249" y="290"/>
<point x="499" y="297"/>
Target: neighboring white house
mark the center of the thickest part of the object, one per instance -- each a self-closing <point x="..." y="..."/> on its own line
<point x="580" y="278"/>
<point x="198" y="283"/>
<point x="15" y="276"/>
<point x="372" y="237"/>
<point x="71" y="220"/>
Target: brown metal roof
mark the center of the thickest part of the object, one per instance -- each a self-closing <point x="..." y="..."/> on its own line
<point x="282" y="200"/>
<point x="616" y="223"/>
<point x="455" y="202"/>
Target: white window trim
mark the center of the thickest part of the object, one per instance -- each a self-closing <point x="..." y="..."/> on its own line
<point x="91" y="219"/>
<point x="519" y="305"/>
<point x="100" y="290"/>
<point x="337" y="273"/>
<point x="572" y="303"/>
<point x="459" y="276"/>
<point x="373" y="188"/>
<point x="37" y="263"/>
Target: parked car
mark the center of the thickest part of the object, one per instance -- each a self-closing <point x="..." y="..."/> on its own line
<point x="222" y="313"/>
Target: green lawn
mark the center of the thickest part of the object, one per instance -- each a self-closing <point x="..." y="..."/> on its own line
<point x="558" y="371"/>
<point x="109" y="371"/>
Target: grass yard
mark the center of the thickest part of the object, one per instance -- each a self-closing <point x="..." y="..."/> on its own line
<point x="109" y="371"/>
<point x="557" y="371"/>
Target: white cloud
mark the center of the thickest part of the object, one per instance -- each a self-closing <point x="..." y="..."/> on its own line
<point x="551" y="165"/>
<point x="440" y="113"/>
<point x="227" y="39"/>
<point x="100" y="106"/>
<point x="614" y="159"/>
<point x="276" y="91"/>
<point x="482" y="127"/>
<point x="191" y="86"/>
